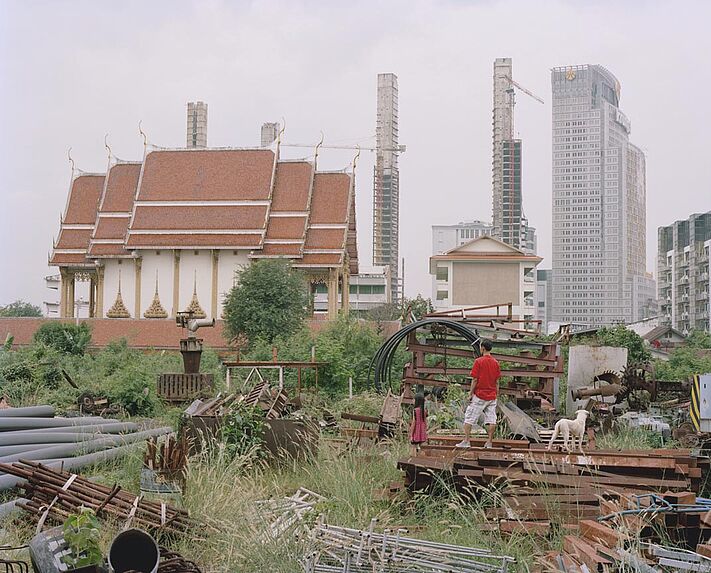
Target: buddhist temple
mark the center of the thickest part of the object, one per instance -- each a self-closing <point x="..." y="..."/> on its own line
<point x="169" y="233"/>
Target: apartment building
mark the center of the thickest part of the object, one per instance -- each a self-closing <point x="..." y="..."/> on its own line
<point x="683" y="273"/>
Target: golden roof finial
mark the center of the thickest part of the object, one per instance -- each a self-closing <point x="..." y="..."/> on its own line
<point x="194" y="306"/>
<point x="118" y="310"/>
<point x="156" y="309"/>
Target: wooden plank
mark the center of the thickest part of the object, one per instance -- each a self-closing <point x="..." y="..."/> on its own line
<point x="582" y="481"/>
<point x="586" y="553"/>
<point x="599" y="533"/>
<point x="527" y="527"/>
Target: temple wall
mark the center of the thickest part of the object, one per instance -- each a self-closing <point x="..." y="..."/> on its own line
<point x="111" y="283"/>
<point x="229" y="263"/>
<point x="162" y="262"/>
<point x="196" y="268"/>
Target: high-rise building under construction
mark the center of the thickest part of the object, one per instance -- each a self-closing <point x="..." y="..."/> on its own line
<point x="386" y="182"/>
<point x="509" y="222"/>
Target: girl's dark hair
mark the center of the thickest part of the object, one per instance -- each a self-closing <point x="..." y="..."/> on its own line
<point x="420" y="401"/>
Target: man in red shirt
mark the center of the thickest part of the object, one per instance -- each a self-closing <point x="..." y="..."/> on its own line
<point x="485" y="377"/>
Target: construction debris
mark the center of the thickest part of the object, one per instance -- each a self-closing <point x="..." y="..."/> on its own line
<point x="341" y="549"/>
<point x="286" y="515"/>
<point x="630" y="538"/>
<point x="54" y="494"/>
<point x="540" y="485"/>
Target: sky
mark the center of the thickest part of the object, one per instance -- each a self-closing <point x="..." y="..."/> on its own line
<point x="72" y="72"/>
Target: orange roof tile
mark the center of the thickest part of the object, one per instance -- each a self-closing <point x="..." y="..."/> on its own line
<point x="207" y="175"/>
<point x="280" y="249"/>
<point x="325" y="239"/>
<point x="320" y="259"/>
<point x="111" y="227"/>
<point x="121" y="188"/>
<point x="286" y="228"/>
<point x="84" y="200"/>
<point x="331" y="194"/>
<point x="188" y="240"/>
<point x="69" y="259"/>
<point x="291" y="189"/>
<point x="107" y="249"/>
<point x="73" y="238"/>
<point x="230" y="217"/>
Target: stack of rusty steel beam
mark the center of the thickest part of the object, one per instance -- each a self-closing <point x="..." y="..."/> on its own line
<point x="628" y="534"/>
<point x="537" y="485"/>
<point x="54" y="494"/>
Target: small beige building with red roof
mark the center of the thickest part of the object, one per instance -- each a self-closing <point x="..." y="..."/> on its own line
<point x="169" y="233"/>
<point x="485" y="271"/>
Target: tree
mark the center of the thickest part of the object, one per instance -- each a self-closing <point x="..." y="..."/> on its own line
<point x="65" y="337"/>
<point x="271" y="299"/>
<point x="683" y="363"/>
<point x="20" y="308"/>
<point x="698" y="339"/>
<point x="419" y="306"/>
<point x="620" y="335"/>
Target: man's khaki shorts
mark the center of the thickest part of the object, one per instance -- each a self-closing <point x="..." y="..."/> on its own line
<point x="479" y="408"/>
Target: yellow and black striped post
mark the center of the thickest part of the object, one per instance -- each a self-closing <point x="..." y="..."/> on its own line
<point x="694" y="411"/>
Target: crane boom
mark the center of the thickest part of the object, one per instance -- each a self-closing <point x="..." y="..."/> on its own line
<point x="524" y="90"/>
<point x="399" y="148"/>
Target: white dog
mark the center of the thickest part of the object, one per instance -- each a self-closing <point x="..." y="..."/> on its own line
<point x="570" y="429"/>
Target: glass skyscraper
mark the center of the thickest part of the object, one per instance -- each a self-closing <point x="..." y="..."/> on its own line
<point x="599" y="203"/>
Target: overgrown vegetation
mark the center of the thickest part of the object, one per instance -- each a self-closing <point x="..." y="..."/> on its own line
<point x="81" y="532"/>
<point x="620" y="335"/>
<point x="20" y="308"/>
<point x="243" y="432"/>
<point x="64" y="337"/>
<point x="36" y="375"/>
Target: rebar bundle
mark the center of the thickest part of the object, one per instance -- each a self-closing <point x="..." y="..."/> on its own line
<point x="344" y="550"/>
<point x="286" y="514"/>
<point x="55" y="494"/>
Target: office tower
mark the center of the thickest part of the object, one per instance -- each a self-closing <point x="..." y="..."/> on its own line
<point x="599" y="202"/>
<point x="386" y="182"/>
<point x="683" y="273"/>
<point x="197" y="124"/>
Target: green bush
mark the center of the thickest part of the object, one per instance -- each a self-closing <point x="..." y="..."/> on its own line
<point x="242" y="431"/>
<point x="64" y="337"/>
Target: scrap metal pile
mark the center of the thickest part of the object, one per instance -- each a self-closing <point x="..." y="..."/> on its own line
<point x="536" y="485"/>
<point x="341" y="549"/>
<point x="285" y="515"/>
<point x="55" y="494"/>
<point x="635" y="533"/>
<point x="34" y="433"/>
<point x="530" y="368"/>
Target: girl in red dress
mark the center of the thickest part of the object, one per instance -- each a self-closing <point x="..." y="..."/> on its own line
<point x="418" y="426"/>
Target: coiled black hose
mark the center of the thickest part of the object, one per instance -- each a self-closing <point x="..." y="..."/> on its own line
<point x="379" y="369"/>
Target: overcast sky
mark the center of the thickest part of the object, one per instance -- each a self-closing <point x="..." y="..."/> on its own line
<point x="73" y="71"/>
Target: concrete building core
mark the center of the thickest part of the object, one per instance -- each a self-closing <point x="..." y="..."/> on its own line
<point x="386" y="182"/>
<point x="599" y="203"/>
<point x="509" y="222"/>
<point x="270" y="131"/>
<point x="197" y="124"/>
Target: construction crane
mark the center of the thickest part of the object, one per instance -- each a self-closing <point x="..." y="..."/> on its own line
<point x="523" y="89"/>
<point x="398" y="149"/>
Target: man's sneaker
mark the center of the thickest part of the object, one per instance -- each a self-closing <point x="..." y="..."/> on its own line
<point x="463" y="444"/>
<point x="488" y="445"/>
